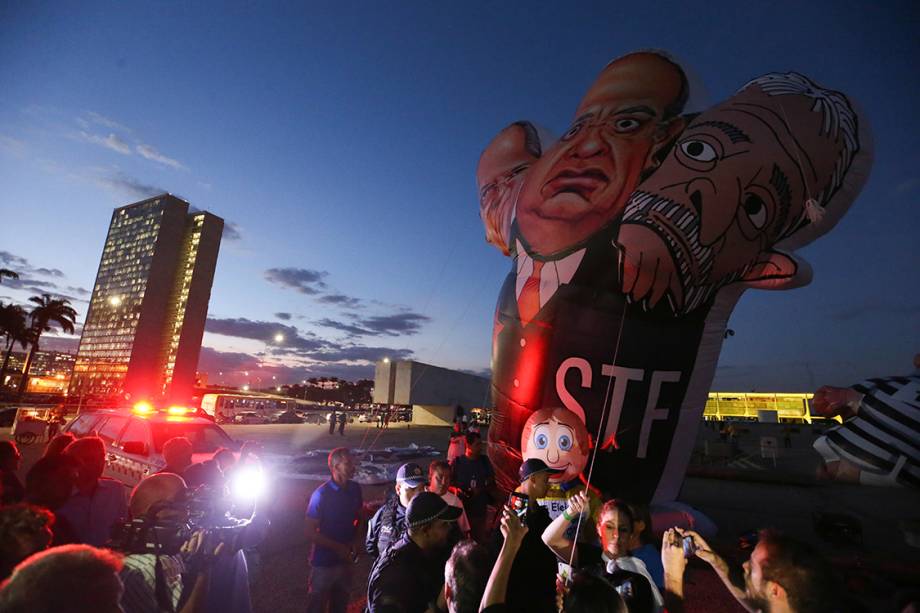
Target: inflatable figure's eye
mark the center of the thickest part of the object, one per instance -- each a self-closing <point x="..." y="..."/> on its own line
<point x="575" y="129"/>
<point x="541" y="440"/>
<point x="565" y="442"/>
<point x="627" y="124"/>
<point x="756" y="210"/>
<point x="699" y="150"/>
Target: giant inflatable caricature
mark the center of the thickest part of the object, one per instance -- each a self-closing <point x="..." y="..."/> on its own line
<point x="632" y="238"/>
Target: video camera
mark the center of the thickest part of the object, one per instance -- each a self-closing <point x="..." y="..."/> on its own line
<point x="206" y="508"/>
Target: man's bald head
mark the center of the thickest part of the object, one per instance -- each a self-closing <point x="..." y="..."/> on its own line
<point x="154" y="489"/>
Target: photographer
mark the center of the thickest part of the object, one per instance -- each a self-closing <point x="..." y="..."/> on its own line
<point x="155" y="581"/>
<point x="781" y="575"/>
<point x="217" y="508"/>
<point x="531" y="586"/>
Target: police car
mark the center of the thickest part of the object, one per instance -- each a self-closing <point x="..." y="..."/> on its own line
<point x="134" y="438"/>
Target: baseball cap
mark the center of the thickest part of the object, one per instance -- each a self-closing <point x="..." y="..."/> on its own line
<point x="427" y="507"/>
<point x="533" y="466"/>
<point x="411" y="474"/>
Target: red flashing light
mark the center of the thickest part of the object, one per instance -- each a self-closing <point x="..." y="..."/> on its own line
<point x="143" y="408"/>
<point x="176" y="410"/>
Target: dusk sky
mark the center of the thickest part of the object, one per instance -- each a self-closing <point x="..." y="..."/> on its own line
<point x="339" y="141"/>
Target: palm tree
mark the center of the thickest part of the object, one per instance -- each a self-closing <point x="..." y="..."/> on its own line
<point x="48" y="311"/>
<point x="5" y="272"/>
<point x="14" y="330"/>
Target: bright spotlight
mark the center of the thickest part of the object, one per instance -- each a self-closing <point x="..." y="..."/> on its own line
<point x="115" y="301"/>
<point x="386" y="360"/>
<point x="246" y="388"/>
<point x="248" y="483"/>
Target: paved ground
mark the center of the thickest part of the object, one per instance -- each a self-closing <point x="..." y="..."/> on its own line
<point x="756" y="494"/>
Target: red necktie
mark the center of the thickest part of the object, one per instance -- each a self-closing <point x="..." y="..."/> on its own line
<point x="529" y="300"/>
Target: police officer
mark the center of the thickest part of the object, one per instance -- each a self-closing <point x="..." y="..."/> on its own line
<point x="409" y="578"/>
<point x="389" y="522"/>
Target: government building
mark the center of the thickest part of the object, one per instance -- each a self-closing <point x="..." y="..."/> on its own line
<point x="146" y="317"/>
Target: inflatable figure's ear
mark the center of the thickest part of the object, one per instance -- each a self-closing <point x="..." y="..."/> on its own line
<point x="777" y="270"/>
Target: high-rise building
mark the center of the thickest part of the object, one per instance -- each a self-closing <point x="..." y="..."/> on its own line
<point x="146" y="317"/>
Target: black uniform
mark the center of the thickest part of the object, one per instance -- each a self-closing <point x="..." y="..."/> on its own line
<point x="404" y="580"/>
<point x="386" y="528"/>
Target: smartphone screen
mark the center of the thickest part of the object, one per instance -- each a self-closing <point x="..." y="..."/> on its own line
<point x="519" y="502"/>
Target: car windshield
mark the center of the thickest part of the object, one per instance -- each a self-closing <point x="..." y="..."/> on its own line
<point x="205" y="438"/>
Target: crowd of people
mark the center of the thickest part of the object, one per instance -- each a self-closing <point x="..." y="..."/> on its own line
<point x="445" y="540"/>
<point x="436" y="548"/>
<point x="73" y="540"/>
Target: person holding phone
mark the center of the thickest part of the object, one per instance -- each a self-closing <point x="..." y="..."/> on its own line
<point x="532" y="583"/>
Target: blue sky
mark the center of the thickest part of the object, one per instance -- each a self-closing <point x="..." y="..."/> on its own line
<point x="340" y="140"/>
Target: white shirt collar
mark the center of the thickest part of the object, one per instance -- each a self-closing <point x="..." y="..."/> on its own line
<point x="554" y="272"/>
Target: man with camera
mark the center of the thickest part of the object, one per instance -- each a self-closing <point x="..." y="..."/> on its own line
<point x="781" y="576"/>
<point x="532" y="583"/>
<point x="164" y="560"/>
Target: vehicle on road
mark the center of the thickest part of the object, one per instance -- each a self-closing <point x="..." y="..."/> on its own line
<point x="289" y="417"/>
<point x="315" y="417"/>
<point x="251" y="418"/>
<point x="134" y="438"/>
<point x="30" y="425"/>
<point x="225" y="407"/>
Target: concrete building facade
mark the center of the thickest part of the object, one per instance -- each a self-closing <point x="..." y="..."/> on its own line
<point x="147" y="313"/>
<point x="432" y="391"/>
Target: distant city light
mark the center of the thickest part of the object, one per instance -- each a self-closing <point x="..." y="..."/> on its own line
<point x="279" y="338"/>
<point x="115" y="301"/>
<point x="386" y="360"/>
<point x="274" y="377"/>
<point x="245" y="388"/>
<point x="278" y="389"/>
<point x="246" y="373"/>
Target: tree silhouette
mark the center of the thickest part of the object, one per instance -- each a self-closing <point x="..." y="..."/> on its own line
<point x="14" y="330"/>
<point x="47" y="311"/>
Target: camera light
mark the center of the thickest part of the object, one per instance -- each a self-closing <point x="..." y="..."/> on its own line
<point x="248" y="483"/>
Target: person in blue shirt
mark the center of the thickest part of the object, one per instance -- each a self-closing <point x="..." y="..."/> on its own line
<point x="332" y="524"/>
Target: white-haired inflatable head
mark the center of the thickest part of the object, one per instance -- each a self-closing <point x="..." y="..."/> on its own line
<point x="771" y="168"/>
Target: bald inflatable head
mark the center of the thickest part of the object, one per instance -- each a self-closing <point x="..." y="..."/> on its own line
<point x="499" y="176"/>
<point x="154" y="489"/>
<point x="582" y="182"/>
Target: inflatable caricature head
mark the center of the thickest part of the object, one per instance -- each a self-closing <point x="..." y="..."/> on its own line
<point x="499" y="176"/>
<point x="582" y="182"/>
<point x="558" y="437"/>
<point x="773" y="166"/>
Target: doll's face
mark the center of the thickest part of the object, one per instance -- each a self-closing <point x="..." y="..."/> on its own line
<point x="553" y="436"/>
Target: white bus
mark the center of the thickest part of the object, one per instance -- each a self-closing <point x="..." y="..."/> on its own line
<point x="225" y="407"/>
